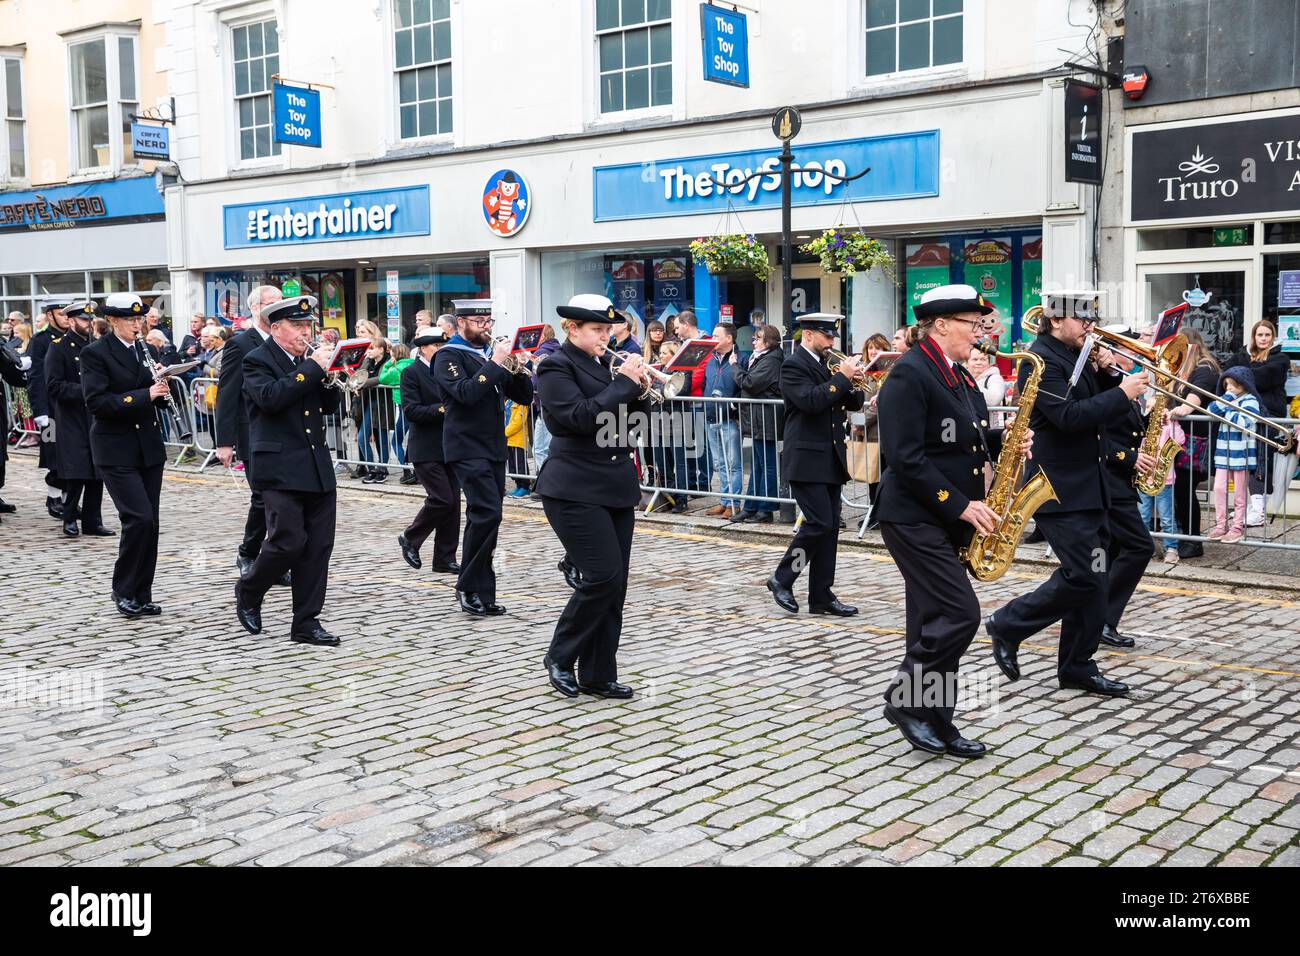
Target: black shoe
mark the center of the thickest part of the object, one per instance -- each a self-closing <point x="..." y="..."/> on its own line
<point x="55" y="507"/>
<point x="740" y="517"/>
<point x="784" y="597"/>
<point x="1115" y="639"/>
<point x="678" y="509"/>
<point x="446" y="567"/>
<point x="1191" y="549"/>
<point x="317" y="636"/>
<point x="149" y="609"/>
<point x="70" y="528"/>
<point x="572" y="576"/>
<point x="127" y="606"/>
<point x="100" y="532"/>
<point x="6" y="508"/>
<point x="471" y="603"/>
<point x="1035" y="536"/>
<point x="917" y="732"/>
<point x="494" y="609"/>
<point x="244" y="564"/>
<point x="966" y="749"/>
<point x="612" y="690"/>
<point x="362" y="472"/>
<point x="249" y="617"/>
<point x="563" y="681"/>
<point x="285" y="580"/>
<point x="1004" y="652"/>
<point x="835" y="608"/>
<point x="377" y="478"/>
<point x="408" y="478"/>
<point x="409" y="553"/>
<point x="1095" y="684"/>
<point x="762" y="517"/>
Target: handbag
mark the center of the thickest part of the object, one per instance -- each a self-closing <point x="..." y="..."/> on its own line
<point x="864" y="461"/>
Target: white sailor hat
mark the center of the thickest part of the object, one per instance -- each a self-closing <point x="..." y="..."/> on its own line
<point x="951" y="300"/>
<point x="87" y="308"/>
<point x="478" y="307"/>
<point x="589" y="307"/>
<point x="56" y="302"/>
<point x="298" y="308"/>
<point x="828" y="322"/>
<point x="124" y="305"/>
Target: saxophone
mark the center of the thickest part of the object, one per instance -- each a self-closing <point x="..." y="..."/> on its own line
<point x="989" y="555"/>
<point x="1152" y="481"/>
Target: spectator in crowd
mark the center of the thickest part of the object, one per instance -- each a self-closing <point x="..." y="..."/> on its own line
<point x="153" y="319"/>
<point x="376" y="410"/>
<point x="1234" y="451"/>
<point x="875" y="344"/>
<point x="694" y="469"/>
<point x="1193" y="466"/>
<point x="448" y="324"/>
<point x="760" y="377"/>
<point x="390" y="377"/>
<point x="670" y="329"/>
<point x="100" y="328"/>
<point x="622" y="334"/>
<point x="517" y="447"/>
<point x="1263" y="356"/>
<point x="654" y="340"/>
<point x="747" y="335"/>
<point x="904" y="338"/>
<point x="723" y="429"/>
<point x="423" y="320"/>
<point x="22" y="341"/>
<point x="190" y="345"/>
<point x="7" y="328"/>
<point x="162" y="347"/>
<point x="990" y="382"/>
<point x="1163" y="503"/>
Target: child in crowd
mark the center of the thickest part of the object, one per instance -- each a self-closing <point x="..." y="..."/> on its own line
<point x="1234" y="451"/>
<point x="516" y="442"/>
<point x="1163" y="503"/>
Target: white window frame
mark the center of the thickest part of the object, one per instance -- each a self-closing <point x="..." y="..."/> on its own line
<point x="237" y="13"/>
<point x="273" y="158"/>
<point x="970" y="68"/>
<point x="457" y="76"/>
<point x="623" y="115"/>
<point x="112" y="69"/>
<point x="5" y="119"/>
<point x="595" y="119"/>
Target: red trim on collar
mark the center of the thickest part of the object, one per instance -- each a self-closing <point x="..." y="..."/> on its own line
<point x="935" y="355"/>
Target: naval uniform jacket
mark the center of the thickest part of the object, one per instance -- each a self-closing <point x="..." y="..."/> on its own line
<point x="424" y="411"/>
<point x="474" y="389"/>
<point x="815" y="420"/>
<point x="68" y="408"/>
<point x="232" y="410"/>
<point x="935" y="439"/>
<point x="1123" y="441"/>
<point x="287" y="403"/>
<point x="124" y="430"/>
<point x="1069" y="426"/>
<point x="592" y="459"/>
<point x="11" y="371"/>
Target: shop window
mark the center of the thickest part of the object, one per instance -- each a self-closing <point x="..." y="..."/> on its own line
<point x="103" y="83"/>
<point x="17" y="285"/>
<point x="431" y="285"/>
<point x="422" y="55"/>
<point x="1220" y="318"/>
<point x="13" y="145"/>
<point x="649" y="284"/>
<point x="634" y="40"/>
<point x="1277" y="233"/>
<point x="61" y="283"/>
<point x="152" y="286"/>
<point x="102" y="283"/>
<point x="256" y="60"/>
<point x="903" y="35"/>
<point x="1196" y="237"/>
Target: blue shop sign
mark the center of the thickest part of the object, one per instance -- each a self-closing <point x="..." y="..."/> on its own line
<point x="726" y="45"/>
<point x="903" y="166"/>
<point x="386" y="213"/>
<point x="297" y="116"/>
<point x="150" y="142"/>
<point x="87" y="204"/>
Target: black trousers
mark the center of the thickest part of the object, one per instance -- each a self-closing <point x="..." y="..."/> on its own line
<point x="299" y="538"/>
<point x="943" y="616"/>
<point x="255" y="523"/>
<point x="1075" y="594"/>
<point x="91" y="507"/>
<point x="484" y="483"/>
<point x="1187" y="507"/>
<point x="440" y="513"/>
<point x="1128" y="554"/>
<point x="598" y="541"/>
<point x="135" y="493"/>
<point x="815" y="544"/>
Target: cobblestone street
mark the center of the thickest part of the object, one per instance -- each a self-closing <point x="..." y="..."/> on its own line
<point x="755" y="736"/>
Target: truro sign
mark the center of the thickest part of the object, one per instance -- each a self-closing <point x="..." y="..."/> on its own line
<point x="1220" y="169"/>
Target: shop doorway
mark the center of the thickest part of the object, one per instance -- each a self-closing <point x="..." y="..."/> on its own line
<point x="1221" y="295"/>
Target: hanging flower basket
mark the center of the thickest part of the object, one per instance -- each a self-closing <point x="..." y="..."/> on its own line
<point x="733" y="253"/>
<point x="849" y="251"/>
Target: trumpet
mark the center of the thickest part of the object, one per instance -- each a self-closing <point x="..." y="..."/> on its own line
<point x="1164" y="362"/>
<point x="868" y="383"/>
<point x="515" y="364"/>
<point x="670" y="386"/>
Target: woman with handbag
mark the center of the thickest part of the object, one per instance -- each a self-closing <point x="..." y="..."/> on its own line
<point x="1191" y="467"/>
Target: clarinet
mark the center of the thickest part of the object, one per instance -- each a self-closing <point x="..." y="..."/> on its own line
<point x="183" y="431"/>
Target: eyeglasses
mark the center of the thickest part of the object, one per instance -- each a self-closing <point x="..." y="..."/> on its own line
<point x="480" y="322"/>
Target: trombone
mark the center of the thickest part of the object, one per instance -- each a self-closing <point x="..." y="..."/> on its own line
<point x="1164" y="362"/>
<point x="670" y="386"/>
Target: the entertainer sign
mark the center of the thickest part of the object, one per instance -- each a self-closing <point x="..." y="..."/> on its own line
<point x="364" y="215"/>
<point x="903" y="166"/>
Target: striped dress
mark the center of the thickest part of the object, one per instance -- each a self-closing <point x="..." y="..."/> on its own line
<point x="1233" y="448"/>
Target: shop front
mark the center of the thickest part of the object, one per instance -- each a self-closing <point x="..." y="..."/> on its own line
<point x="89" y="239"/>
<point x="1213" y="220"/>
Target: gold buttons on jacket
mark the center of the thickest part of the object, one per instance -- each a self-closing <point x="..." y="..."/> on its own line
<point x="128" y="400"/>
<point x="137" y="427"/>
<point x="307" y="412"/>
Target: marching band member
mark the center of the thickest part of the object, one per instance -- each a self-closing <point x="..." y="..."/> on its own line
<point x="935" y="438"/>
<point x="471" y="374"/>
<point x="127" y="445"/>
<point x="288" y="398"/>
<point x="590" y="490"/>
<point x="814" y="461"/>
<point x="73" y="454"/>
<point x="425" y="411"/>
<point x="1068" y="420"/>
<point x="56" y="327"/>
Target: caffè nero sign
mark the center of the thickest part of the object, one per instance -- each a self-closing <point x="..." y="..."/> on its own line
<point x="1242" y="168"/>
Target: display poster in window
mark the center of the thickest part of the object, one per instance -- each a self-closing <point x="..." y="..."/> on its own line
<point x="988" y="269"/>
<point x="925" y="267"/>
<point x="1288" y="289"/>
<point x="669" y="286"/>
<point x="1031" y="277"/>
<point x="392" y="287"/>
<point x="627" y="280"/>
<point x="333" y="303"/>
<point x="1288" y="331"/>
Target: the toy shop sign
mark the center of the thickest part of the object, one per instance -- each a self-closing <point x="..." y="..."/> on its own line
<point x="1216" y="169"/>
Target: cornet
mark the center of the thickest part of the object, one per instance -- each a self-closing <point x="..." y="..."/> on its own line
<point x="670" y="386"/>
<point x="515" y="363"/>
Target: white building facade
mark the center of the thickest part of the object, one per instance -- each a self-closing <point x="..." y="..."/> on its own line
<point x="599" y="112"/>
